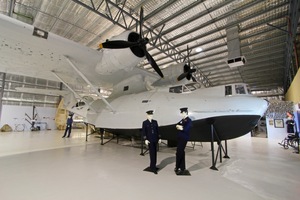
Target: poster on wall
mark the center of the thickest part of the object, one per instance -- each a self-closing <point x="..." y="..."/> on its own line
<point x="271" y="122"/>
<point x="278" y="123"/>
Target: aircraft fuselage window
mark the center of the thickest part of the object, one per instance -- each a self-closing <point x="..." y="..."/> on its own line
<point x="228" y="90"/>
<point x="240" y="89"/>
<point x="126" y="88"/>
<point x="80" y="103"/>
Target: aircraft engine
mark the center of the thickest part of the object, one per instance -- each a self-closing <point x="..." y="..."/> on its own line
<point x="175" y="74"/>
<point x="120" y="58"/>
<point x="137" y="44"/>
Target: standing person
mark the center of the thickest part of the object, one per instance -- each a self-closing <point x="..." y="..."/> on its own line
<point x="290" y="123"/>
<point x="69" y="125"/>
<point x="183" y="136"/>
<point x="151" y="137"/>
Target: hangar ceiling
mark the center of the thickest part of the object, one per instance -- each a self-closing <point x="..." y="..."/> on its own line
<point x="266" y="30"/>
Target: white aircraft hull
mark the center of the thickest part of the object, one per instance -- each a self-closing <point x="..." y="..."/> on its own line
<point x="226" y="127"/>
<point x="232" y="116"/>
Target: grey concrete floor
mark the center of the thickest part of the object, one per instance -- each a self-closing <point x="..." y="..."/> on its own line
<point x="43" y="166"/>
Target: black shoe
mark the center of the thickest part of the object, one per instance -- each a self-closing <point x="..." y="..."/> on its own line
<point x="176" y="170"/>
<point x="154" y="170"/>
<point x="181" y="172"/>
<point x="63" y="136"/>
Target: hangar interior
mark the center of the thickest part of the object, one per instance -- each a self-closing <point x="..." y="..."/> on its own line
<point x="265" y="33"/>
<point x="227" y="41"/>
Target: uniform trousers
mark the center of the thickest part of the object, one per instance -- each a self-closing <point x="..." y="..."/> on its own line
<point x="153" y="154"/>
<point x="180" y="154"/>
<point x="68" y="129"/>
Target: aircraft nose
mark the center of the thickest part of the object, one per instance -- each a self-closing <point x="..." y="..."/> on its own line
<point x="264" y="106"/>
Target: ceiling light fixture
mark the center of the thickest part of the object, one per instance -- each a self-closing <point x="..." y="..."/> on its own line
<point x="199" y="49"/>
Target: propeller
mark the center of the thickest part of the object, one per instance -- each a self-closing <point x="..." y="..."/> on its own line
<point x="187" y="71"/>
<point x="141" y="43"/>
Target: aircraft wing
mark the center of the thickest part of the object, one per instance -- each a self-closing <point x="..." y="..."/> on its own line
<point x="26" y="50"/>
<point x="42" y="91"/>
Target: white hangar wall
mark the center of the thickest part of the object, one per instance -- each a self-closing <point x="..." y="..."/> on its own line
<point x="15" y="117"/>
<point x="278" y="131"/>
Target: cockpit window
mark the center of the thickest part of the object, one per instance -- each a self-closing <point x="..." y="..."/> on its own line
<point x="184" y="88"/>
<point x="240" y="89"/>
<point x="191" y="87"/>
<point x="248" y="89"/>
<point x="176" y="89"/>
<point x="79" y="104"/>
<point x="228" y="90"/>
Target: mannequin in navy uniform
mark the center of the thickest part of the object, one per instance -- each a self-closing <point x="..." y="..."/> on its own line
<point x="183" y="136"/>
<point x="69" y="125"/>
<point x="151" y="137"/>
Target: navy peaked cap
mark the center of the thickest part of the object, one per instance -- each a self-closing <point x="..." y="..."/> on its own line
<point x="150" y="112"/>
<point x="185" y="109"/>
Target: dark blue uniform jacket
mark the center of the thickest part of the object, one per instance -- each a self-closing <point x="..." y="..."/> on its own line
<point x="69" y="121"/>
<point x="185" y="133"/>
<point x="150" y="131"/>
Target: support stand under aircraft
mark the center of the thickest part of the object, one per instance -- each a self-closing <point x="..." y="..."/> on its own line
<point x="214" y="136"/>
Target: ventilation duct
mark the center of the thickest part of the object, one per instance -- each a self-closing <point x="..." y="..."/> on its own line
<point x="235" y="59"/>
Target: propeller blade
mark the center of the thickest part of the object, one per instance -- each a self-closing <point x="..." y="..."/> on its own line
<point x="186" y="68"/>
<point x="188" y="77"/>
<point x="182" y="76"/>
<point x="141" y="21"/>
<point x="187" y="74"/>
<point x="188" y="54"/>
<point x="153" y="64"/>
<point x="144" y="41"/>
<point x="117" y="44"/>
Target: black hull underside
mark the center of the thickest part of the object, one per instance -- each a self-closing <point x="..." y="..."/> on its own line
<point x="226" y="127"/>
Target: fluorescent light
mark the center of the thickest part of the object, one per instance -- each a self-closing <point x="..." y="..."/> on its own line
<point x="199" y="49"/>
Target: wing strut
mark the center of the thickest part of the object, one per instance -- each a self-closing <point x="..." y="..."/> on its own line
<point x="89" y="83"/>
<point x="77" y="95"/>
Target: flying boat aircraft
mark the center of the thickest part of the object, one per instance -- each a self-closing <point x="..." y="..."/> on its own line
<point x="218" y="113"/>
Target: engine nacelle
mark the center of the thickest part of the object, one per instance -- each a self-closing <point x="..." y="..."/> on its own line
<point x="116" y="59"/>
<point x="171" y="74"/>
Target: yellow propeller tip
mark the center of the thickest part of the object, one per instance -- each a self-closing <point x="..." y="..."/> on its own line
<point x="100" y="46"/>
